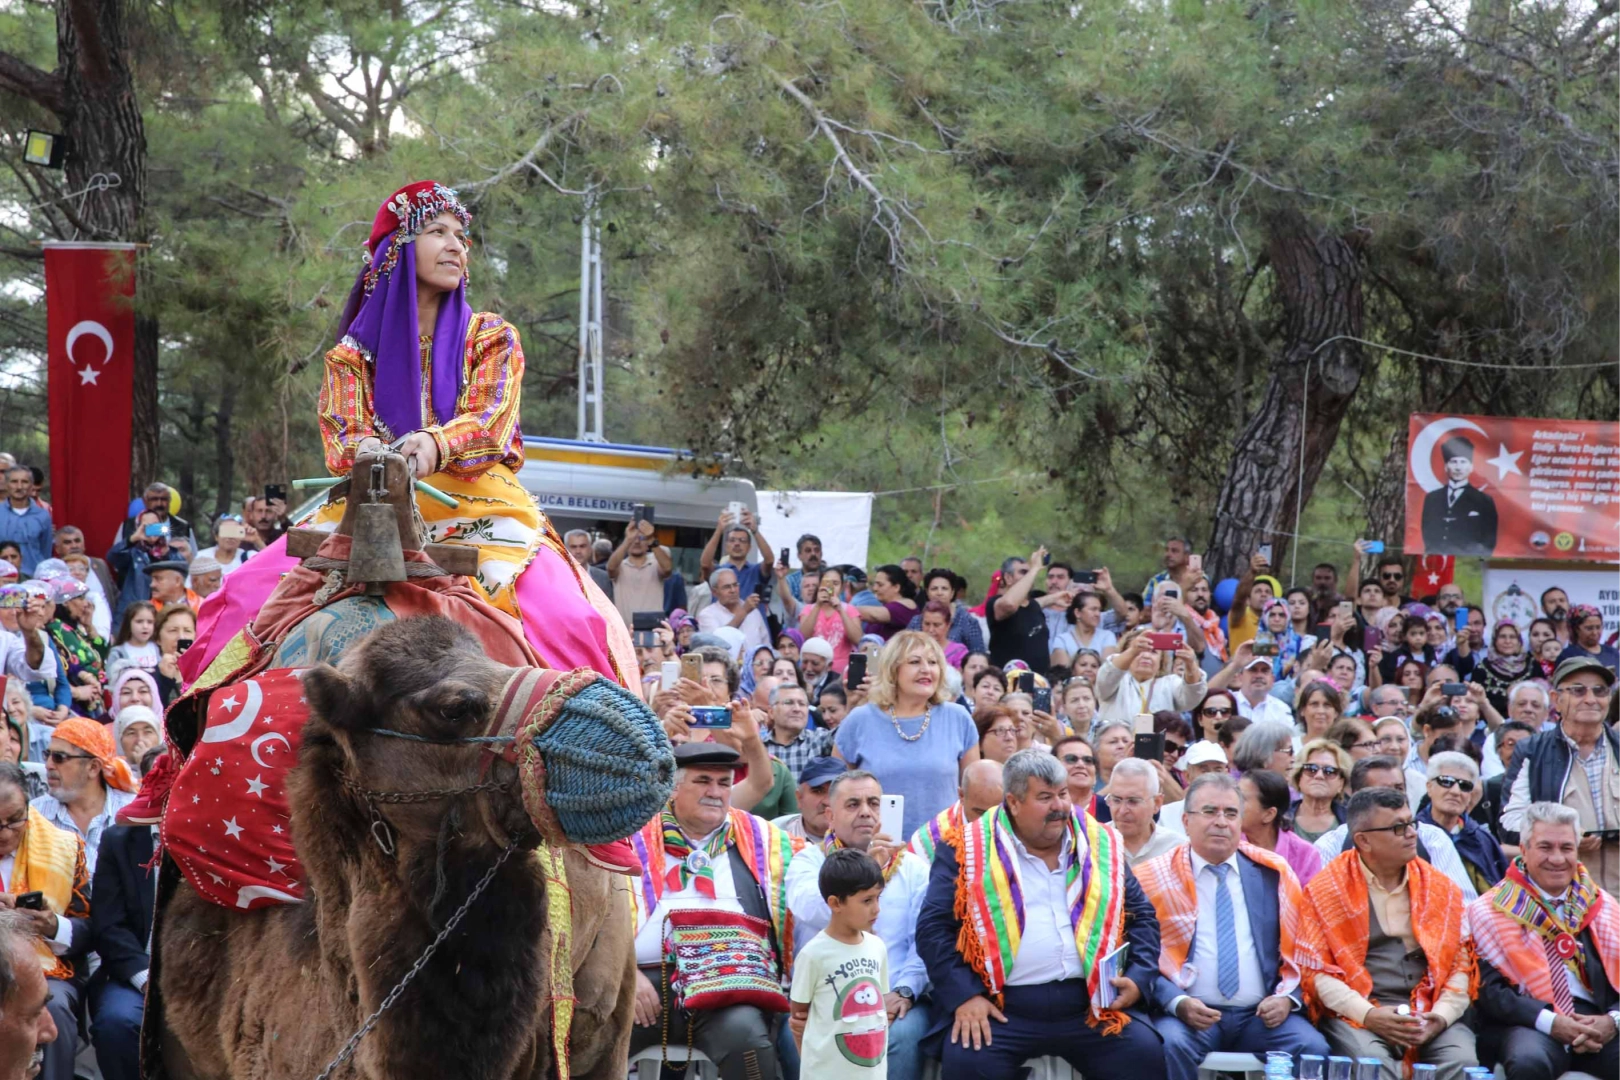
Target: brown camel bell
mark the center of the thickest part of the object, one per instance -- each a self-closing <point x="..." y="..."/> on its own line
<point x="377" y="556"/>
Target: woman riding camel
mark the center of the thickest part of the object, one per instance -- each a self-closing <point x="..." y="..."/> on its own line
<point x="417" y="370"/>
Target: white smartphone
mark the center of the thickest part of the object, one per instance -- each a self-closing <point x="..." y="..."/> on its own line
<point x="734" y="511"/>
<point x="1265" y="553"/>
<point x="669" y="673"/>
<point x="892" y="818"/>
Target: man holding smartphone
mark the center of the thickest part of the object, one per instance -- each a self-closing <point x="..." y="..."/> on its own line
<point x="738" y="534"/>
<point x="638" y="567"/>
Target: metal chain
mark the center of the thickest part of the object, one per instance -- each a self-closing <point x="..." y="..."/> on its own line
<point x="353" y="1044"/>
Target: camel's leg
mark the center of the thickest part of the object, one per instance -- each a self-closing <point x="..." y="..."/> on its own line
<point x="604" y="979"/>
<point x="194" y="954"/>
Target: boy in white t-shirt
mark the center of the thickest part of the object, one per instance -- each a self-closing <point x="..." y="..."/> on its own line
<point x="840" y="1022"/>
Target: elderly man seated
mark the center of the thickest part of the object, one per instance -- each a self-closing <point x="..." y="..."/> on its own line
<point x="1453" y="782"/>
<point x="857" y="808"/>
<point x="89" y="783"/>
<point x="1387" y="964"/>
<point x="1549" y="958"/>
<point x="1133" y="798"/>
<point x="1228" y="919"/>
<point x="703" y="855"/>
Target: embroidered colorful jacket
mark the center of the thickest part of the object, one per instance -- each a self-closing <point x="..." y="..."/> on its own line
<point x="484" y="430"/>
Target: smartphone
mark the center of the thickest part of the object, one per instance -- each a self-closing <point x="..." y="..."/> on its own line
<point x="183" y="644"/>
<point x="692" y="667"/>
<point x="1454" y="689"/>
<point x="1604" y="835"/>
<point x="1345" y="607"/>
<point x="1265" y="648"/>
<point x="644" y="639"/>
<point x="1015" y="682"/>
<point x="1150" y="747"/>
<point x="1372" y="638"/>
<point x="640" y="512"/>
<point x="734" y="511"/>
<point x="1085" y="577"/>
<point x="1375" y="547"/>
<point x="710" y="716"/>
<point x="1046" y="560"/>
<point x="669" y="673"/>
<point x="275" y="491"/>
<point x="31" y="901"/>
<point x="1264" y="551"/>
<point x="1041" y="696"/>
<point x="156" y="529"/>
<point x="892" y="818"/>
<point x="1168" y="642"/>
<point x="856" y="671"/>
<point x="1461" y="621"/>
<point x="645" y="620"/>
<point x="1323" y="631"/>
<point x="785" y="557"/>
<point x="1172" y="591"/>
<point x="1195" y="564"/>
<point x="1142" y="723"/>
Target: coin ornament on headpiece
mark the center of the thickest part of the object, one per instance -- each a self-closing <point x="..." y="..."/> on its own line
<point x="402" y="217"/>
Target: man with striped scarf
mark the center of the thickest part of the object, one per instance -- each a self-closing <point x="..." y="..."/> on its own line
<point x="1549" y="958"/>
<point x="1025" y="910"/>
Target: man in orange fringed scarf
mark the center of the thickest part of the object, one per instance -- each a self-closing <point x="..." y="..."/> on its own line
<point x="1386" y="961"/>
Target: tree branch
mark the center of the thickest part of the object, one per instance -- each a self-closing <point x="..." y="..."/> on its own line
<point x="43" y="88"/>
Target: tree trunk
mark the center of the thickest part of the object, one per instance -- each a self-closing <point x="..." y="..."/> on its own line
<point x="1282" y="450"/>
<point x="192" y="434"/>
<point x="1386" y="502"/>
<point x="92" y="93"/>
<point x="224" y="458"/>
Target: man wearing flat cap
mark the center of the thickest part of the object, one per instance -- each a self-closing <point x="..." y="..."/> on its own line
<point x="1458" y="519"/>
<point x="703" y="861"/>
<point x="169" y="584"/>
<point x="1576" y="764"/>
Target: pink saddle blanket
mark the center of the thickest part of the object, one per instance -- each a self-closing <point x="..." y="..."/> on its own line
<point x="227" y="824"/>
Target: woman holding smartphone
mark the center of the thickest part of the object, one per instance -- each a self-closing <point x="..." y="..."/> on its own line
<point x="831" y="619"/>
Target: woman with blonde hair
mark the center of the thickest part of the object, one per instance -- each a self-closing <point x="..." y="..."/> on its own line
<point x="909" y="734"/>
<point x="1322" y="777"/>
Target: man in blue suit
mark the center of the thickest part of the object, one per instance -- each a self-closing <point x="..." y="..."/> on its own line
<point x="1034" y="1002"/>
<point x="120" y="924"/>
<point x="1228" y="978"/>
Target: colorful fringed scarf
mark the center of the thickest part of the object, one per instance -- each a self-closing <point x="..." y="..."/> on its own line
<point x="942" y="829"/>
<point x="990" y="902"/>
<point x="1169" y="883"/>
<point x="684" y="870"/>
<point x="765" y="849"/>
<point x="1511" y="922"/>
<point x="832" y="844"/>
<point x="1336" y="926"/>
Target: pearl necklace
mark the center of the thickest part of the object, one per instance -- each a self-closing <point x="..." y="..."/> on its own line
<point x="928" y="715"/>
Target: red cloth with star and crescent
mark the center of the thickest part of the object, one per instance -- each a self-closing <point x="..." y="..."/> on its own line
<point x="228" y="824"/>
<point x="1434" y="572"/>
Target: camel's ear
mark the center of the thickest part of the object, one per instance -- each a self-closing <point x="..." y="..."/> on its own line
<point x="460" y="704"/>
<point x="330" y="695"/>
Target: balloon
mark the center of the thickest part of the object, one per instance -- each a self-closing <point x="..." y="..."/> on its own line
<point x="136" y="507"/>
<point x="1225" y="590"/>
<point x="174" y="502"/>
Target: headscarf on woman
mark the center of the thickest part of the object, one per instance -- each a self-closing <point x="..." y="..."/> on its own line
<point x="135" y="714"/>
<point x="1288" y="642"/>
<point x="96" y="740"/>
<point x="747" y="682"/>
<point x="125" y="676"/>
<point x="81" y="650"/>
<point x="380" y="317"/>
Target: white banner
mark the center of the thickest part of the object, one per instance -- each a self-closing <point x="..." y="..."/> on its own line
<point x="841" y="519"/>
<point x="1600" y="588"/>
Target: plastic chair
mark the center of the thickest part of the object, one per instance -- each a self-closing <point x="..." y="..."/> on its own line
<point x="1219" y="1063"/>
<point x="653" y="1056"/>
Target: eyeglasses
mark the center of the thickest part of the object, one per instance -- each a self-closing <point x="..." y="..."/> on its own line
<point x="15" y="824"/>
<point x="1328" y="771"/>
<point x="1175" y="748"/>
<point x="1398" y="830"/>
<point x="1367" y="744"/>
<point x="1580" y="690"/>
<point x="1003" y="732"/>
<point x="1391" y="741"/>
<point x="56" y="757"/>
<point x="1225" y="813"/>
<point x="1391" y="577"/>
<point x="1448" y="782"/>
<point x="1216" y="712"/>
<point x="1130" y="802"/>
<point x="1076" y="759"/>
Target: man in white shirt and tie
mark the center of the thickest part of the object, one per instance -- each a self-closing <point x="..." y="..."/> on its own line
<point x="1227" y="911"/>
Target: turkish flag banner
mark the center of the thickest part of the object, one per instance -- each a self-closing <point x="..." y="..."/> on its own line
<point x="90" y="335"/>
<point x="1513" y="487"/>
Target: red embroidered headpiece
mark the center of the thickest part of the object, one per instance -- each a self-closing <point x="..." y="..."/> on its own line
<point x="413" y="206"/>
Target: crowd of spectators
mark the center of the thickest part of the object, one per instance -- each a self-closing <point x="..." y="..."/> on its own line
<point x="1349" y="720"/>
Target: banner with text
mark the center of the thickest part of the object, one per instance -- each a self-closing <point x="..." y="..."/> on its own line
<point x="1514" y="593"/>
<point x="90" y="342"/>
<point x="1513" y="487"/>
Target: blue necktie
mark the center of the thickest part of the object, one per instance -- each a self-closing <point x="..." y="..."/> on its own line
<point x="1226" y="951"/>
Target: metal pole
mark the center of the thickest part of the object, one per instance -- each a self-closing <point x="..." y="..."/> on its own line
<point x="599" y="324"/>
<point x="584" y="311"/>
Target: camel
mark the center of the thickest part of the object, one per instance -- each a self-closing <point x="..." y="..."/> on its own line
<point x="275" y="992"/>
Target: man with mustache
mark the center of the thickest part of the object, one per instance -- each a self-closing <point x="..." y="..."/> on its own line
<point x="1228" y="912"/>
<point x="26" y="1027"/>
<point x="1049" y="897"/>
<point x="703" y="854"/>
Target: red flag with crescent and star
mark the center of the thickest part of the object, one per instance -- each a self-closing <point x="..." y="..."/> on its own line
<point x="227" y="823"/>
<point x="1434" y="572"/>
<point x="90" y="343"/>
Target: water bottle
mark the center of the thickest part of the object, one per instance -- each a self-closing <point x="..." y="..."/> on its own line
<point x="1425" y="1072"/>
<point x="1279" y="1065"/>
<point x="1312" y="1067"/>
<point x="1478" y="1072"/>
<point x="1367" y="1068"/>
<point x="1339" y="1068"/>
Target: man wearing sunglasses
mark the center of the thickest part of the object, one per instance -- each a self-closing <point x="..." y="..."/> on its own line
<point x="1453" y="780"/>
<point x="1383" y="929"/>
<point x="89" y="783"/>
<point x="1576" y="764"/>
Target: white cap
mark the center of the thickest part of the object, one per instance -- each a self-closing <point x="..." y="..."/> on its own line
<point x="816" y="646"/>
<point x="1202" y="752"/>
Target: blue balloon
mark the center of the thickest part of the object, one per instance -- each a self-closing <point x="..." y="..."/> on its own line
<point x="136" y="507"/>
<point x="1225" y="590"/>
